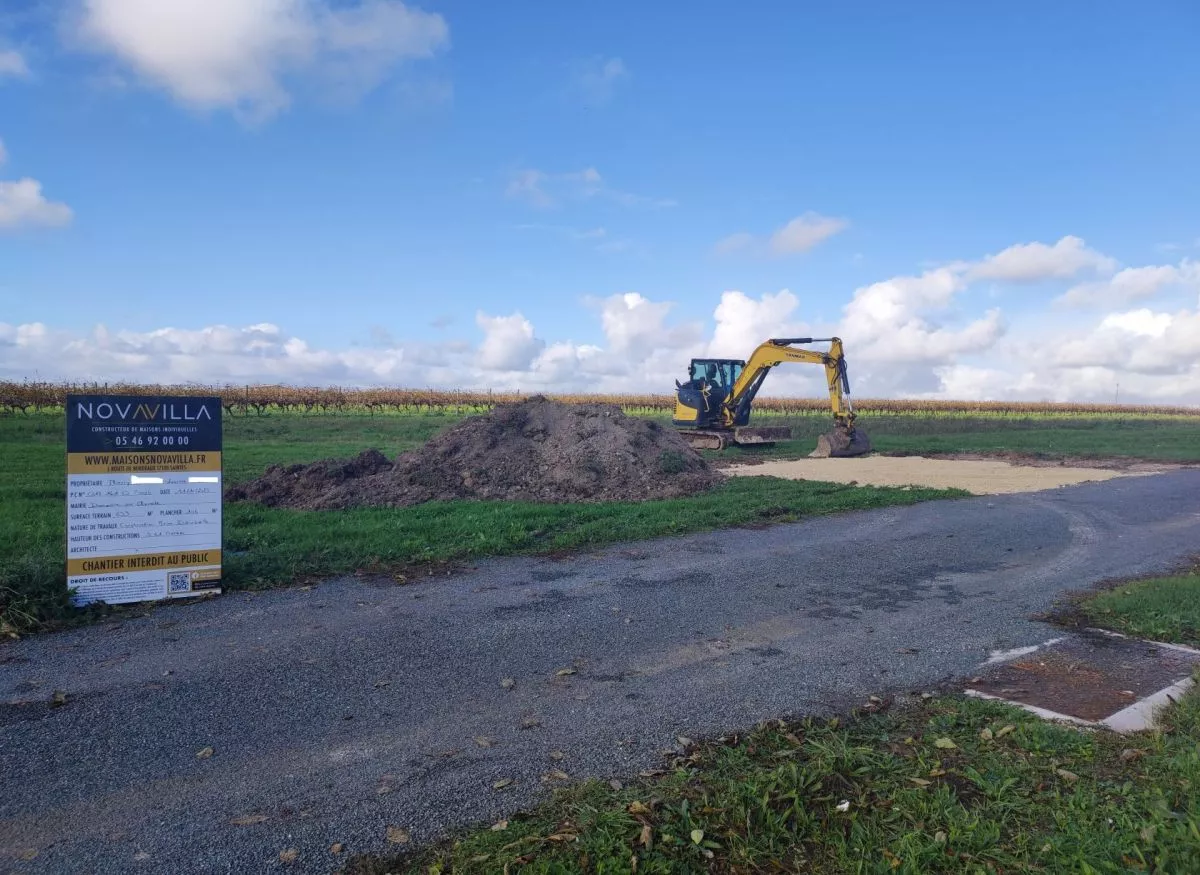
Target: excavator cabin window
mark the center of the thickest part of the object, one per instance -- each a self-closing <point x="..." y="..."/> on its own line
<point x="716" y="372"/>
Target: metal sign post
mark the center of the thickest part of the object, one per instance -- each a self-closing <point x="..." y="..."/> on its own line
<point x="143" y="497"/>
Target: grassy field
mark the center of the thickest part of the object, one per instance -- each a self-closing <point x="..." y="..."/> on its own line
<point x="268" y="547"/>
<point x="939" y="784"/>
<point x="1162" y="440"/>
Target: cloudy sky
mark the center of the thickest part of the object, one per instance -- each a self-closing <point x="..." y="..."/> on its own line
<point x="983" y="200"/>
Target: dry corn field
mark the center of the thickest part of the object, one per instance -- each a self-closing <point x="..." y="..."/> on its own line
<point x="37" y="397"/>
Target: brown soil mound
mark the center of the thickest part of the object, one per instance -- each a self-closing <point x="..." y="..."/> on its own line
<point x="535" y="450"/>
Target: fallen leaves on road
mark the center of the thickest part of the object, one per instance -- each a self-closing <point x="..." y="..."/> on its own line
<point x="336" y="848"/>
<point x="289" y="855"/>
<point x="557" y="755"/>
<point x="562" y="837"/>
<point x="380" y="684"/>
<point x="484" y="741"/>
<point x="58" y="699"/>
<point x="615" y="784"/>
<point x="28" y="854"/>
<point x="531" y="722"/>
<point x="945" y="743"/>
<point x="556" y="775"/>
<point x="636" y="808"/>
<point x="697" y="836"/>
<point x="398" y="835"/>
<point x="499" y="826"/>
<point x="204" y="753"/>
<point x="141" y="857"/>
<point x="986" y="734"/>
<point x="920" y="782"/>
<point x="1005" y="730"/>
<point x="502" y="783"/>
<point x="249" y="819"/>
<point x="564" y="672"/>
<point x="507" y="683"/>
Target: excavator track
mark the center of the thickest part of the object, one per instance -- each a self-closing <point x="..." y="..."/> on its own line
<point x="744" y="436"/>
<point x="705" y="440"/>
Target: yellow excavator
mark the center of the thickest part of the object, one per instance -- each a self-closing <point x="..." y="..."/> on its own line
<point x="712" y="409"/>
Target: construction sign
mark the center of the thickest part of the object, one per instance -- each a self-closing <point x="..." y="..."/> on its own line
<point x="143" y="497"/>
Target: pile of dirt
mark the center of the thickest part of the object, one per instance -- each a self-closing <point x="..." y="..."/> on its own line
<point x="535" y="450"/>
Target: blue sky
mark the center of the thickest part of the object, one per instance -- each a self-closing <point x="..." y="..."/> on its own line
<point x="380" y="177"/>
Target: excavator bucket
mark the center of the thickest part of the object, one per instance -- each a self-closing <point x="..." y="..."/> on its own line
<point x="840" y="443"/>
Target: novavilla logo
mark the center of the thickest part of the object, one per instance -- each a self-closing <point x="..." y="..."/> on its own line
<point x="143" y="412"/>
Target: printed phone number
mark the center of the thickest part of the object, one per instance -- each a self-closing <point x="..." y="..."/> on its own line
<point x="153" y="440"/>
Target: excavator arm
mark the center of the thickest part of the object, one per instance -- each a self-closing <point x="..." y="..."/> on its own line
<point x="779" y="350"/>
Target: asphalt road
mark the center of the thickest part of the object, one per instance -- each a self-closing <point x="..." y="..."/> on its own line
<point x="337" y="711"/>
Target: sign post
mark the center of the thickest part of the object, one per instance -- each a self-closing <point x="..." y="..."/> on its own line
<point x="143" y="497"/>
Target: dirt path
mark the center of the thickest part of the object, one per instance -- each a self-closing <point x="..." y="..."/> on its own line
<point x="977" y="476"/>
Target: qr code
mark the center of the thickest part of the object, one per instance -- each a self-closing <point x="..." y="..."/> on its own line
<point x="179" y="582"/>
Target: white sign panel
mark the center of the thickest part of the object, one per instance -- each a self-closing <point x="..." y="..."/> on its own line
<point x="143" y="497"/>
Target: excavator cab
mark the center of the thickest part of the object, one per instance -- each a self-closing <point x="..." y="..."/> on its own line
<point x="700" y="402"/>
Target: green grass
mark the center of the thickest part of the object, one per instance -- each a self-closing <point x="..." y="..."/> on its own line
<point x="268" y="547"/>
<point x="1157" y="608"/>
<point x="947" y="785"/>
<point x="1162" y="440"/>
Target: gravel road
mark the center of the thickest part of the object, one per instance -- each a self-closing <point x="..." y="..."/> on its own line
<point x="338" y="711"/>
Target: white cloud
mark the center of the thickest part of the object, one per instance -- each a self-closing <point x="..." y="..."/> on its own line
<point x="636" y="326"/>
<point x="12" y="63"/>
<point x="799" y="235"/>
<point x="22" y="205"/>
<point x="804" y="232"/>
<point x="599" y="77"/>
<point x="1132" y="284"/>
<point x="245" y="54"/>
<point x="743" y="322"/>
<point x="1138" y="341"/>
<point x="508" y="342"/>
<point x="889" y="321"/>
<point x="742" y="241"/>
<point x="970" y="381"/>
<point x="542" y="189"/>
<point x="908" y="336"/>
<point x="1145" y="323"/>
<point x="1031" y="262"/>
<point x="527" y="185"/>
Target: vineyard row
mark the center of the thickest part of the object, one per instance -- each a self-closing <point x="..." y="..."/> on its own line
<point x="33" y="397"/>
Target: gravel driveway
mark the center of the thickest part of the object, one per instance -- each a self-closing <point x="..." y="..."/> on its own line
<point x="335" y="712"/>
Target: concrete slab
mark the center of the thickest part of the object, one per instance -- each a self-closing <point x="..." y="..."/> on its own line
<point x="1092" y="678"/>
